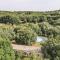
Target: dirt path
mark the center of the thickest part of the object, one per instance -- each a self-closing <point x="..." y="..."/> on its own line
<point x="23" y="47"/>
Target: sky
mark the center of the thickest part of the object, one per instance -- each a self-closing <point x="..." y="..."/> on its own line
<point x="29" y="5"/>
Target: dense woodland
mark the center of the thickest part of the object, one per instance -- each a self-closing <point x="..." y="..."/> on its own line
<point x="24" y="27"/>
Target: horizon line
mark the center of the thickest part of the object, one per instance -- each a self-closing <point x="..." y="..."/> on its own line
<point x="31" y="10"/>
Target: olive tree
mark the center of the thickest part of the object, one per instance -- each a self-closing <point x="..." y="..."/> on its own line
<point x="25" y="35"/>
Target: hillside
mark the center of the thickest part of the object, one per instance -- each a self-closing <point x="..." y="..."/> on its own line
<point x="23" y="27"/>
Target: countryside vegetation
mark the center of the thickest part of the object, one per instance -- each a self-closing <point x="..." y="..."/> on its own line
<point x="23" y="27"/>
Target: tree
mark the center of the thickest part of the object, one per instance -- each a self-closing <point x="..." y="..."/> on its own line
<point x="9" y="19"/>
<point x="25" y="35"/>
<point x="42" y="19"/>
<point x="51" y="49"/>
<point x="6" y="51"/>
<point x="35" y="27"/>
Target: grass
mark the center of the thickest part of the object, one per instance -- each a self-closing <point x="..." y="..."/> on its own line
<point x="37" y="44"/>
